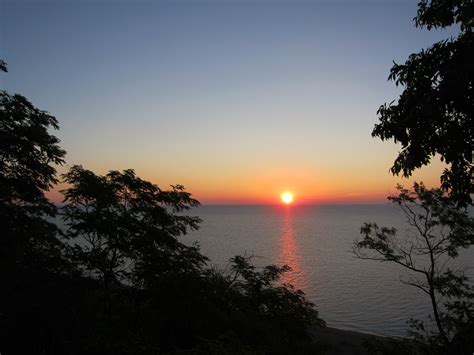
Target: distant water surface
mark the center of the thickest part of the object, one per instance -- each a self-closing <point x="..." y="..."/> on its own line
<point x="316" y="241"/>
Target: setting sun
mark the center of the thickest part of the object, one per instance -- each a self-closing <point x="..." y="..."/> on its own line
<point x="286" y="197"/>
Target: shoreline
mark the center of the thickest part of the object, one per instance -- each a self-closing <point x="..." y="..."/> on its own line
<point x="368" y="333"/>
<point x="350" y="342"/>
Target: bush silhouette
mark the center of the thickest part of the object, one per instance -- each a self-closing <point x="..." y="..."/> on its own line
<point x="113" y="277"/>
<point x="435" y="113"/>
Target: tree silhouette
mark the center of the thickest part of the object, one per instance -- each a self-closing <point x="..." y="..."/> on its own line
<point x="435" y="112"/>
<point x="27" y="155"/>
<point x="32" y="256"/>
<point x="114" y="277"/>
<point x="127" y="228"/>
<point x="124" y="233"/>
<point x="440" y="230"/>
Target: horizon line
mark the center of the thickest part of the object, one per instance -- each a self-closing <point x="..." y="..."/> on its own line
<point x="294" y="204"/>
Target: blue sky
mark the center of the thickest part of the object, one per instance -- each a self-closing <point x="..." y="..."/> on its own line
<point x="230" y="98"/>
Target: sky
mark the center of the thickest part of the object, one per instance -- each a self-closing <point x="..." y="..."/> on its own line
<point x="236" y="100"/>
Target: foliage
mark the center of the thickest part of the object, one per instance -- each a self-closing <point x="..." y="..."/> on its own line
<point x="32" y="256"/>
<point x="126" y="229"/>
<point x="122" y="218"/>
<point x="225" y="312"/>
<point x="27" y="152"/>
<point x="121" y="282"/>
<point x="283" y="304"/>
<point x="434" y="114"/>
<point x="124" y="234"/>
<point x="440" y="229"/>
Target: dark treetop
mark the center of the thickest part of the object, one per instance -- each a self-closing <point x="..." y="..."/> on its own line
<point x="434" y="114"/>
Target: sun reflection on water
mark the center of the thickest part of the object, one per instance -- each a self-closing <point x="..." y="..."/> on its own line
<point x="289" y="253"/>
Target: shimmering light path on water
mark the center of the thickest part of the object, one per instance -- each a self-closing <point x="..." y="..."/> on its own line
<point x="290" y="254"/>
<point x="316" y="241"/>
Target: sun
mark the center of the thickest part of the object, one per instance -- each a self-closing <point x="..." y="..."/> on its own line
<point x="286" y="197"/>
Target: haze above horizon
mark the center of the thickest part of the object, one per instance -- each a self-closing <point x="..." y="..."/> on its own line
<point x="237" y="101"/>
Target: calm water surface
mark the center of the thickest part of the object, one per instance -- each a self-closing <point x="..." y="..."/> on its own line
<point x="316" y="241"/>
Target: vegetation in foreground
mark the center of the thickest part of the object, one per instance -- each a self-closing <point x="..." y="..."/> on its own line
<point x="434" y="116"/>
<point x="117" y="279"/>
<point x="439" y="231"/>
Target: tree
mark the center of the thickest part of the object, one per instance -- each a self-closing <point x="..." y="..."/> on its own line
<point x="33" y="262"/>
<point x="123" y="282"/>
<point x="435" y="112"/>
<point x="439" y="229"/>
<point x="28" y="153"/>
<point x="284" y="305"/>
<point x="125" y="233"/>
<point x="126" y="229"/>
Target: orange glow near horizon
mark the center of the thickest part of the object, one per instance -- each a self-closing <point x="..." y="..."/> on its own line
<point x="264" y="185"/>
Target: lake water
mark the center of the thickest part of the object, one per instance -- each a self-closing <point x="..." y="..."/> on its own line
<point x="316" y="241"/>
